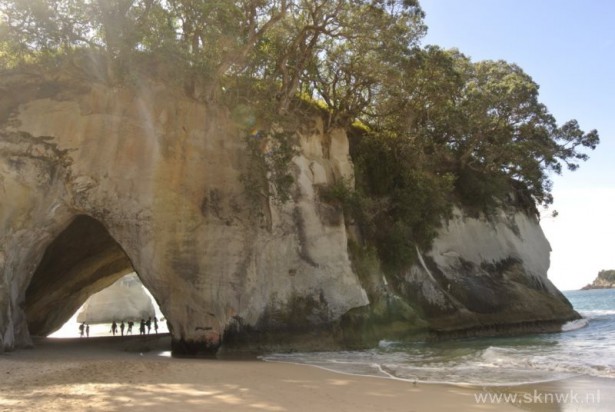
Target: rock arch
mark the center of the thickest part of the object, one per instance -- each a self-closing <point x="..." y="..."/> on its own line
<point x="162" y="174"/>
<point x="82" y="260"/>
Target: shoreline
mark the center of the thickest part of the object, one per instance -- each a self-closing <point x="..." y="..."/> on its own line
<point x="580" y="393"/>
<point x="113" y="374"/>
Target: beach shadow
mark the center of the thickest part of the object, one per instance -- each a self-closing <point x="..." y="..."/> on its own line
<point x="101" y="375"/>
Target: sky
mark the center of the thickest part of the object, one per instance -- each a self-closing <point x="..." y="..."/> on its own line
<point x="568" y="48"/>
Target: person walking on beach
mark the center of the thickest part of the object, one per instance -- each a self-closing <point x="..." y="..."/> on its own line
<point x="81" y="328"/>
<point x="148" y="323"/>
<point x="87" y="330"/>
<point x="142" y="327"/>
<point x="155" y="325"/>
<point x="122" y="326"/>
<point x="113" y="328"/>
<point x="129" y="330"/>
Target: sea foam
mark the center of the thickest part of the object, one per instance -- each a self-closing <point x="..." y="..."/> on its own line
<point x="574" y="324"/>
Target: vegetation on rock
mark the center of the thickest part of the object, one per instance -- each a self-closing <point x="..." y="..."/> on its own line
<point x="436" y="128"/>
<point x="607" y="275"/>
<point x="604" y="280"/>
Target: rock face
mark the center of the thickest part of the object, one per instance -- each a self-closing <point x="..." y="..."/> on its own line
<point x="126" y="299"/>
<point x="70" y="271"/>
<point x="99" y="181"/>
<point x="604" y="280"/>
<point x="488" y="272"/>
<point x="481" y="276"/>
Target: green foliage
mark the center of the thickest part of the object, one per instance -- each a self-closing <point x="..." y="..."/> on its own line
<point x="483" y="123"/>
<point x="268" y="174"/>
<point x="9" y="54"/>
<point x="278" y="157"/>
<point x="343" y="194"/>
<point x="480" y="193"/>
<point x="408" y="201"/>
<point x="397" y="204"/>
<point x="608" y="275"/>
<point x="437" y="128"/>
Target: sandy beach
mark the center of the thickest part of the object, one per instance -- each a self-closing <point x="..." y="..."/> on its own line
<point x="117" y="374"/>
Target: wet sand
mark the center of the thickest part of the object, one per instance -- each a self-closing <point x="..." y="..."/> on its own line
<point x="121" y="374"/>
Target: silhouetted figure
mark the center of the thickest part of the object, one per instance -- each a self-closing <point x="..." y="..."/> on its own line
<point x="122" y="326"/>
<point x="155" y="325"/>
<point x="148" y="323"/>
<point x="81" y="328"/>
<point x="129" y="330"/>
<point x="142" y="327"/>
<point x="87" y="330"/>
<point x="113" y="328"/>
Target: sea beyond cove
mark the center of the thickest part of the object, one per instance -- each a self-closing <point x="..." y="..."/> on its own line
<point x="569" y="371"/>
<point x="585" y="348"/>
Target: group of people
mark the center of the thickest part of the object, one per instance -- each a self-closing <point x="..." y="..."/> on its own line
<point x="84" y="329"/>
<point x="145" y="324"/>
<point x="145" y="327"/>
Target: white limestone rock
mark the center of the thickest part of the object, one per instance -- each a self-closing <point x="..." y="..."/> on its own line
<point x="162" y="173"/>
<point x="161" y="177"/>
<point x="124" y="300"/>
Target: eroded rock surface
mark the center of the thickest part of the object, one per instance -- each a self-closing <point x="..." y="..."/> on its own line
<point x="489" y="272"/>
<point x="481" y="276"/>
<point x="161" y="179"/>
<point x="162" y="174"/>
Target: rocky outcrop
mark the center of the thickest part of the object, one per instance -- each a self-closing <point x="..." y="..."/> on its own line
<point x="484" y="272"/>
<point x="98" y="181"/>
<point x="482" y="275"/>
<point x="160" y="175"/>
<point x="124" y="300"/>
<point x="604" y="280"/>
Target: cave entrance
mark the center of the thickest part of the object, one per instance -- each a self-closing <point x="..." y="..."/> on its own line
<point x="80" y="262"/>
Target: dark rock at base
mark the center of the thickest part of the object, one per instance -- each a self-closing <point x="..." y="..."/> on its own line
<point x="182" y="348"/>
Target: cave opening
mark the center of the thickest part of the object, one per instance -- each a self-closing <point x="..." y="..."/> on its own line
<point x="127" y="302"/>
<point x="81" y="265"/>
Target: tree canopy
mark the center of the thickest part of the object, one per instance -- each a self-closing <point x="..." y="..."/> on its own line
<point x="436" y="127"/>
<point x="608" y="275"/>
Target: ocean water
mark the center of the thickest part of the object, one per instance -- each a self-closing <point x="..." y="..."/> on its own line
<point x="584" y="348"/>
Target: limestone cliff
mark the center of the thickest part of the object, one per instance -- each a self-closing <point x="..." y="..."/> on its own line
<point x="152" y="174"/>
<point x="489" y="271"/>
<point x="482" y="275"/>
<point x="97" y="181"/>
<point x="126" y="299"/>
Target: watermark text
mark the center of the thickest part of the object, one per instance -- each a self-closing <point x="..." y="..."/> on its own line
<point x="570" y="397"/>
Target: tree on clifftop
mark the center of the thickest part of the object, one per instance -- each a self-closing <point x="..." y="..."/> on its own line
<point x="483" y="123"/>
<point x="437" y="128"/>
